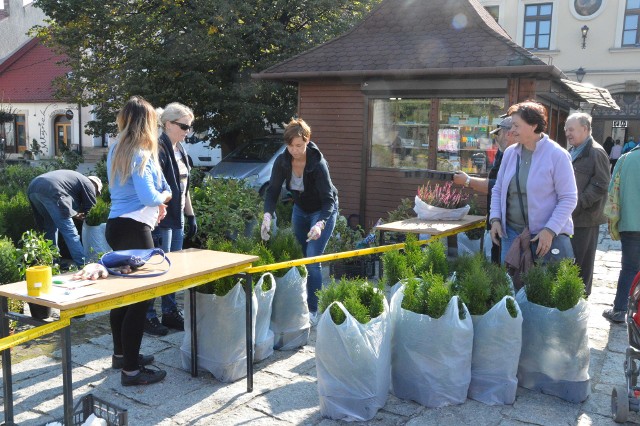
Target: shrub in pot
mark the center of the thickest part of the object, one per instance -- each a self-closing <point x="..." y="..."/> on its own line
<point x="432" y="342"/>
<point x="35" y="249"/>
<point x="94" y="241"/>
<point x="290" y="316"/>
<point x="486" y="290"/>
<point x="352" y="350"/>
<point x="555" y="345"/>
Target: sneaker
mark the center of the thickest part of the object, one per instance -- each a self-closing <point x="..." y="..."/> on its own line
<point x="153" y="326"/>
<point x="117" y="362"/>
<point x="614" y="316"/>
<point x="173" y="320"/>
<point x="145" y="376"/>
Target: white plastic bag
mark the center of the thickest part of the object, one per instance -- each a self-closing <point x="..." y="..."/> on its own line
<point x="221" y="333"/>
<point x="497" y="339"/>
<point x="94" y="242"/>
<point x="290" y="316"/>
<point x="429" y="212"/>
<point x="430" y="357"/>
<point x="555" y="350"/>
<point x="353" y="363"/>
<point x="264" y="335"/>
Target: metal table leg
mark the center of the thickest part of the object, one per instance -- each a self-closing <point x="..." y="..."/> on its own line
<point x="67" y="381"/>
<point x="7" y="382"/>
<point x="249" y="330"/>
<point x="194" y="334"/>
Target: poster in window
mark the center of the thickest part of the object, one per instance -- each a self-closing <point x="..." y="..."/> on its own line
<point x="587" y="8"/>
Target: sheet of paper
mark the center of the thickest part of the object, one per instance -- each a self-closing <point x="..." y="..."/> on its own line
<point x="61" y="295"/>
<point x="65" y="281"/>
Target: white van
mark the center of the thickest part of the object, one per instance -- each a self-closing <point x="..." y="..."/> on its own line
<point x="200" y="151"/>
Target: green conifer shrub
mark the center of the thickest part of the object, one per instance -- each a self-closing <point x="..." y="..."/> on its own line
<point x="556" y="285"/>
<point x="363" y="300"/>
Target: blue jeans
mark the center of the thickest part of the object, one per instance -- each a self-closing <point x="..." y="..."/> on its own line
<point x="506" y="241"/>
<point x="168" y="240"/>
<point x="630" y="267"/>
<point x="48" y="217"/>
<point x="302" y="223"/>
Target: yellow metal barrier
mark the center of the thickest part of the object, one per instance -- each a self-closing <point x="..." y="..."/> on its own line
<point x="31" y="334"/>
<point x="359" y="252"/>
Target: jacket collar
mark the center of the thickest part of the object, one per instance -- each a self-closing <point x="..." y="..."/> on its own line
<point x="586" y="146"/>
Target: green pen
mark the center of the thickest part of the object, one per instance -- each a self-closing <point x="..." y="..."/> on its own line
<point x="58" y="282"/>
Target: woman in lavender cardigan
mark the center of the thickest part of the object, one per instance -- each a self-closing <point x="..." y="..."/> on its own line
<point x="547" y="184"/>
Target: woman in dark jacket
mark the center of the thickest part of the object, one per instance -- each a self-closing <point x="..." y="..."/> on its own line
<point x="169" y="235"/>
<point x="315" y="209"/>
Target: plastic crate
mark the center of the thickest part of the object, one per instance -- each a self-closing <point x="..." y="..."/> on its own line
<point x="90" y="404"/>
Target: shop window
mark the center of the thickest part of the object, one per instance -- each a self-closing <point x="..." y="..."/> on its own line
<point x="493" y="11"/>
<point x="630" y="33"/>
<point x="464" y="142"/>
<point x="62" y="134"/>
<point x="537" y="26"/>
<point x="400" y="133"/>
<point x="21" y="132"/>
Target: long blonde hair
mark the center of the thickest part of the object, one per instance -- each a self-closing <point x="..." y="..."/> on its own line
<point x="138" y="126"/>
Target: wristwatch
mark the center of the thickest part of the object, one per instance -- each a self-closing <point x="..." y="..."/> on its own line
<point x="467" y="182"/>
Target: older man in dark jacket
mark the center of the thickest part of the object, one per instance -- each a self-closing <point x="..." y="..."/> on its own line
<point x="591" y="168"/>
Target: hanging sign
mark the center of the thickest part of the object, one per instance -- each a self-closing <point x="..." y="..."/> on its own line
<point x="620" y="123"/>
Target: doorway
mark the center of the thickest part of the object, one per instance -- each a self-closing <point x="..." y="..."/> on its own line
<point x="62" y="129"/>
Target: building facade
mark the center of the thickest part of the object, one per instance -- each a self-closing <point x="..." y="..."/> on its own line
<point x="593" y="41"/>
<point x="27" y="72"/>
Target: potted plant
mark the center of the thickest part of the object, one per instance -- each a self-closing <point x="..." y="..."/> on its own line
<point x="34" y="250"/>
<point x="402" y="212"/>
<point x="432" y="342"/>
<point x="555" y="345"/>
<point x="486" y="290"/>
<point x="441" y="202"/>
<point x="353" y="350"/>
<point x="34" y="152"/>
<point x="94" y="241"/>
<point x="290" y="316"/>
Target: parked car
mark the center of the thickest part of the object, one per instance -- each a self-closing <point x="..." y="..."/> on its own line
<point x="252" y="161"/>
<point x="200" y="151"/>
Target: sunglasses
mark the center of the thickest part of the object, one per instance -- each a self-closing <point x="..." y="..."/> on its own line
<point x="182" y="125"/>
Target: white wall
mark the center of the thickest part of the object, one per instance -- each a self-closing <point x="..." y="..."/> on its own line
<point x="13" y="28"/>
<point x="37" y="114"/>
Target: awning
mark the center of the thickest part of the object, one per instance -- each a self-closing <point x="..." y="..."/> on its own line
<point x="593" y="95"/>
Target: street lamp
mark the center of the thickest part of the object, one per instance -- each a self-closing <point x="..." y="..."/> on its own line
<point x="580" y="73"/>
<point x="584" y="30"/>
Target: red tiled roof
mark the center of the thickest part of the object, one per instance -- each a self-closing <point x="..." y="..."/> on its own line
<point x="26" y="75"/>
<point x="413" y="36"/>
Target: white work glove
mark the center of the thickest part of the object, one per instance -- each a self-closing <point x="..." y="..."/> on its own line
<point x="315" y="231"/>
<point x="91" y="271"/>
<point x="266" y="227"/>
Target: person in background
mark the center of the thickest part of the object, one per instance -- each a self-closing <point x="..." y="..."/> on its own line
<point x="629" y="145"/>
<point x="628" y="167"/>
<point x="56" y="198"/>
<point x="616" y="152"/>
<point x="169" y="235"/>
<point x="139" y="193"/>
<point x="306" y="173"/>
<point x="504" y="138"/>
<point x="547" y="184"/>
<point x="608" y="144"/>
<point x="591" y="168"/>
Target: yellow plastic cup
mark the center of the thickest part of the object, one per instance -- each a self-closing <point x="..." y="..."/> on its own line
<point x="38" y="280"/>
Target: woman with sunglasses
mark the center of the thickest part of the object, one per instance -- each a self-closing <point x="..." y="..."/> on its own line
<point x="139" y="194"/>
<point x="175" y="120"/>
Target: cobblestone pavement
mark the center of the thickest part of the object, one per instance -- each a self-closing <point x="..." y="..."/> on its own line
<point x="285" y="388"/>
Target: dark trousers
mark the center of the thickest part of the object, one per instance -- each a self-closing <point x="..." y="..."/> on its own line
<point x="127" y="322"/>
<point x="585" y="243"/>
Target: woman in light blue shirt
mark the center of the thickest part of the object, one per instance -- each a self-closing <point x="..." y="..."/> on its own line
<point x="138" y="196"/>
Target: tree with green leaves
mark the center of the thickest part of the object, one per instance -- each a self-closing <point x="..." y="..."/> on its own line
<point x="197" y="52"/>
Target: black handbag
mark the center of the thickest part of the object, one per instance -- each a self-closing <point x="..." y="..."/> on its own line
<point x="134" y="259"/>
